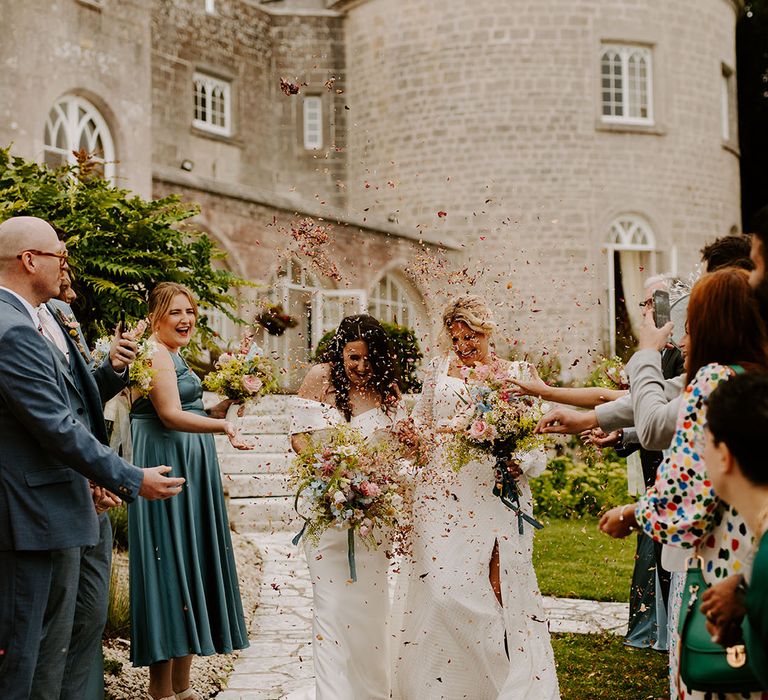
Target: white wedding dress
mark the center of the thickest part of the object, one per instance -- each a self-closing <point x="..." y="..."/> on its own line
<point x="452" y="629"/>
<point x="350" y="628"/>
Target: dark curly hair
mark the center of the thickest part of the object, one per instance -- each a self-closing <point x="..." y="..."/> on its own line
<point x="384" y="370"/>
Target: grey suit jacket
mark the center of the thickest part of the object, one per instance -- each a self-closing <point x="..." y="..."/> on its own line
<point x="44" y="502"/>
<point x="651" y="406"/>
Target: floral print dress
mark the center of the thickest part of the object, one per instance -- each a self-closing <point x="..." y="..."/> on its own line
<point x="682" y="510"/>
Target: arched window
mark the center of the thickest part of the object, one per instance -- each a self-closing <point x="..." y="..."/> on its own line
<point x="74" y="124"/>
<point x="630" y="246"/>
<point x="390" y="300"/>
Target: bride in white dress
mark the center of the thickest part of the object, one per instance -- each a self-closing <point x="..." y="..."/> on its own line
<point x="350" y="639"/>
<point x="473" y="624"/>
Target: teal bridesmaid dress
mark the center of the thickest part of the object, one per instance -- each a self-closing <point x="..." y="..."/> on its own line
<point x="185" y="598"/>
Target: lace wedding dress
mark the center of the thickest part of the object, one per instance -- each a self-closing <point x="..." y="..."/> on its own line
<point x="455" y="639"/>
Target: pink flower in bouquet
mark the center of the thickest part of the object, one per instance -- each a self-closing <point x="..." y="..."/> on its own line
<point x="499" y="372"/>
<point x="478" y="429"/>
<point x="482" y="372"/>
<point x="251" y="383"/>
<point x="369" y="490"/>
<point x="365" y="527"/>
<point x="504" y="396"/>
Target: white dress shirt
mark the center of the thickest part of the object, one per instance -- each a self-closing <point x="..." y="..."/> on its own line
<point x="52" y="330"/>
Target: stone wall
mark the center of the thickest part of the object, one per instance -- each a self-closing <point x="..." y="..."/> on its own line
<point x="489" y="111"/>
<point x="98" y="51"/>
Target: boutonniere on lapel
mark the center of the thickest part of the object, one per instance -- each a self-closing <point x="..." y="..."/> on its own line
<point x="72" y="326"/>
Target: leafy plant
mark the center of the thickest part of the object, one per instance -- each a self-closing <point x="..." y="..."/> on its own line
<point x="404" y="344"/>
<point x="120" y="245"/>
<point x="119" y="519"/>
<point x="119" y="608"/>
<point x="573" y="489"/>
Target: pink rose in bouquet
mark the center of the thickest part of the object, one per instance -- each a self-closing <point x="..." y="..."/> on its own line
<point x="252" y="384"/>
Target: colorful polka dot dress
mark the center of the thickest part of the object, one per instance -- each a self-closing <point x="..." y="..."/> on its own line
<point x="682" y="509"/>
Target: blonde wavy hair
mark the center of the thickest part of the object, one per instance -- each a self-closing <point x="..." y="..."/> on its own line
<point x="160" y="299"/>
<point x="469" y="309"/>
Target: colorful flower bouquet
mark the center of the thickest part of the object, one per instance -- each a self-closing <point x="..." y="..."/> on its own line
<point x="354" y="483"/>
<point x="140" y="373"/>
<point x="501" y="424"/>
<point x="242" y="376"/>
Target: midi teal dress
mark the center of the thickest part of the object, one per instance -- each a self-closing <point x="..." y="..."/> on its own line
<point x="185" y="598"/>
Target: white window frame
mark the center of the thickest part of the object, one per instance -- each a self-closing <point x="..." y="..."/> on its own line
<point x="207" y="84"/>
<point x="312" y="117"/>
<point x="632" y="233"/>
<point x="625" y="52"/>
<point x="66" y="114"/>
<point x="390" y="299"/>
<point x="210" y="7"/>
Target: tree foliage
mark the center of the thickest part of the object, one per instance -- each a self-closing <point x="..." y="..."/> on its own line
<point x="120" y="245"/>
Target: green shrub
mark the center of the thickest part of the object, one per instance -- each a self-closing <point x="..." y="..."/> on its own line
<point x="119" y="518"/>
<point x="119" y="608"/>
<point x="574" y="489"/>
<point x="406" y="348"/>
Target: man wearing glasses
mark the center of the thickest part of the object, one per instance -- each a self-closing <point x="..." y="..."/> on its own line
<point x="47" y="455"/>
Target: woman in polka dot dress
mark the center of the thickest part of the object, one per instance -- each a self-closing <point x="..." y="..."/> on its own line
<point x="724" y="335"/>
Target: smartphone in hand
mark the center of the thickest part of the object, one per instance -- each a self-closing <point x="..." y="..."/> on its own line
<point x="660" y="308"/>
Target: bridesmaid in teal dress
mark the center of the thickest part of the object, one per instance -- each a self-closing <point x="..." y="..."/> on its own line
<point x="185" y="598"/>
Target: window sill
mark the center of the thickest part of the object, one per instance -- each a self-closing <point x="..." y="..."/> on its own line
<point x="221" y="138"/>
<point x="618" y="127"/>
<point x="92" y="4"/>
<point x="731" y="148"/>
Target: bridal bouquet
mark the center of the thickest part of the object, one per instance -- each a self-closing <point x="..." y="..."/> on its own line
<point x="243" y="376"/>
<point x="354" y="483"/>
<point x="140" y="373"/>
<point x="502" y="424"/>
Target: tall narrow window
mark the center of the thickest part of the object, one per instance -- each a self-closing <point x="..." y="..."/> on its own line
<point x="75" y="125"/>
<point x="210" y="7"/>
<point x="626" y="84"/>
<point x="727" y="104"/>
<point x="213" y="108"/>
<point x="313" y="122"/>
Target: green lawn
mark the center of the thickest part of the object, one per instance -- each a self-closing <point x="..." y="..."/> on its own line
<point x="600" y="667"/>
<point x="573" y="559"/>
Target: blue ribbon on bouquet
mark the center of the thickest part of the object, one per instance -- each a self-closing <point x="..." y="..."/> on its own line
<point x="508" y="490"/>
<point x="350" y="540"/>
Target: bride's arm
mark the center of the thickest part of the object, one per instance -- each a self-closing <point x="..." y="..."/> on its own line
<point x="316" y="387"/>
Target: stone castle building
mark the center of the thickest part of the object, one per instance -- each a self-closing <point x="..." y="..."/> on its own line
<point x="548" y="154"/>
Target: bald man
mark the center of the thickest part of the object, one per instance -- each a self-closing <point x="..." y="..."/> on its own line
<point x="48" y="454"/>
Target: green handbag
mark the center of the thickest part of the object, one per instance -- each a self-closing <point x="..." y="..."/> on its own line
<point x="706" y="665"/>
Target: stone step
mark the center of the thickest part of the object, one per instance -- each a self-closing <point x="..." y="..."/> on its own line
<point x="238" y="462"/>
<point x="259" y="514"/>
<point x="278" y="423"/>
<point x="261" y="443"/>
<point x="256" y="485"/>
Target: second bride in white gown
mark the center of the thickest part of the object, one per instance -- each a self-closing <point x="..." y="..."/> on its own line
<point x="351" y="634"/>
<point x="472" y="624"/>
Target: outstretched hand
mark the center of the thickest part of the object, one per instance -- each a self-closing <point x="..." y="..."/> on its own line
<point x="619" y="522"/>
<point x="236" y="439"/>
<point x="535" y="386"/>
<point x="566" y="421"/>
<point x="597" y="437"/>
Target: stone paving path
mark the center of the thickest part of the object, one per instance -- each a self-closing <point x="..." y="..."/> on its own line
<point x="279" y="659"/>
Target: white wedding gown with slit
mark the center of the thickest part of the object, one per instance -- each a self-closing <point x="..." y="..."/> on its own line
<point x="350" y="625"/>
<point x="452" y="629"/>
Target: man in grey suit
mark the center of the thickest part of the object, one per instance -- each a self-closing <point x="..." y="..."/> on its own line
<point x="47" y="456"/>
<point x="75" y="618"/>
